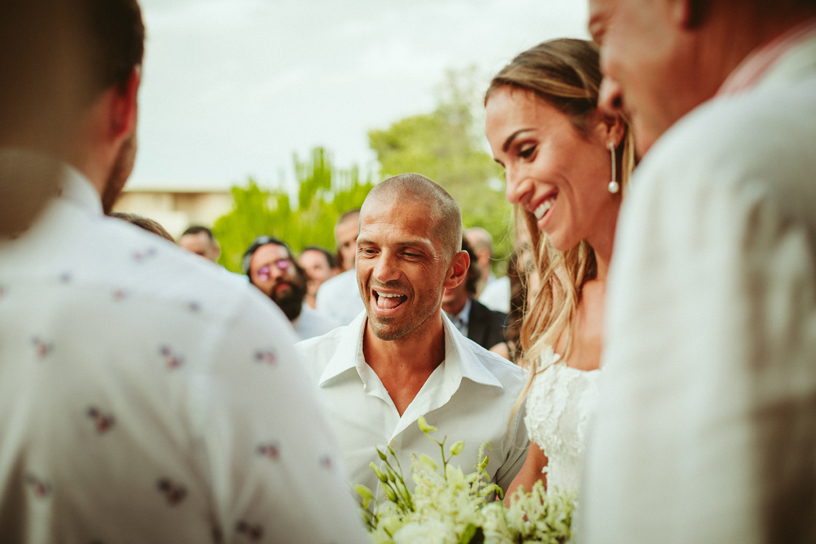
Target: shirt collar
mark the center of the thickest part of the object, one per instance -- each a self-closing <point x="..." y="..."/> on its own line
<point x="72" y="186"/>
<point x="77" y="189"/>
<point x="459" y="354"/>
<point x="460" y="361"/>
<point x="349" y="352"/>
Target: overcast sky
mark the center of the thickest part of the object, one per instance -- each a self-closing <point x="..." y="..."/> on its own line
<point x="232" y="88"/>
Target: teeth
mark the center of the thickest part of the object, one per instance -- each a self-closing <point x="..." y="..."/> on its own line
<point x="387" y="295"/>
<point x="541" y="210"/>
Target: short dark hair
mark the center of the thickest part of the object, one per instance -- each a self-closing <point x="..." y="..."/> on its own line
<point x="115" y="41"/>
<point x="329" y="257"/>
<point x="474" y="273"/>
<point x="150" y="225"/>
<point x="198" y="229"/>
<point x="262" y="241"/>
<point x="443" y="210"/>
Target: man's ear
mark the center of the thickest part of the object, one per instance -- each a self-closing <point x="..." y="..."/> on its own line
<point x="688" y="14"/>
<point x="457" y="271"/>
<point x="123" y="106"/>
<point x="612" y="128"/>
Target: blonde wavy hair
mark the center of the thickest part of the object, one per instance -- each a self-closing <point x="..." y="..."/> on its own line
<point x="566" y="74"/>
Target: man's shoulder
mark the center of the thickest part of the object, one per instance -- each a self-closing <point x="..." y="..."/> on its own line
<point x="510" y="375"/>
<point x="108" y="255"/>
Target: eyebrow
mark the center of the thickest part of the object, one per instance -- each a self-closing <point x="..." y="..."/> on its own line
<point x="424" y="243"/>
<point x="512" y="137"/>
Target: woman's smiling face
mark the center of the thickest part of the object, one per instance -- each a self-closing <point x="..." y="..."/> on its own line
<point x="552" y="169"/>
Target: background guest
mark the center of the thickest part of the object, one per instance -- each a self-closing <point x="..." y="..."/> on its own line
<point x="469" y="316"/>
<point x="200" y="240"/>
<point x="345" y="234"/>
<point x="272" y="268"/>
<point x="482" y="244"/>
<point x="319" y="265"/>
<point x="339" y="297"/>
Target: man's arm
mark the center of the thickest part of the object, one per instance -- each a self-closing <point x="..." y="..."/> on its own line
<point x="516" y="445"/>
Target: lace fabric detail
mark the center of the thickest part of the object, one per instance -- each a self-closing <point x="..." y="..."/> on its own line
<point x="560" y="404"/>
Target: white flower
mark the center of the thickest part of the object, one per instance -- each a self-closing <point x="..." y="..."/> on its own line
<point x="428" y="532"/>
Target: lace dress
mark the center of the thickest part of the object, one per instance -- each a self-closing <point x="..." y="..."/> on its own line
<point x="559" y="406"/>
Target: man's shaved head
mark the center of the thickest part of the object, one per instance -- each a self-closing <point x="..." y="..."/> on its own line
<point x="443" y="210"/>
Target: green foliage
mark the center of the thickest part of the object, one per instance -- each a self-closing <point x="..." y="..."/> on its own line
<point x="446" y="145"/>
<point x="324" y="193"/>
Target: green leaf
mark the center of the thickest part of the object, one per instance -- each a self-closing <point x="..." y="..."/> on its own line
<point x="424" y="427"/>
<point x="472" y="535"/>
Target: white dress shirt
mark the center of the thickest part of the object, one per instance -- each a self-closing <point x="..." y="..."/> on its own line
<point x="469" y="397"/>
<point x="146" y="397"/>
<point x="496" y="295"/>
<point x="339" y="297"/>
<point x="706" y="425"/>
<point x="311" y="323"/>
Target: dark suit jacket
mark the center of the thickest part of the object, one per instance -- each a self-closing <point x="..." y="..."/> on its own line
<point x="485" y="327"/>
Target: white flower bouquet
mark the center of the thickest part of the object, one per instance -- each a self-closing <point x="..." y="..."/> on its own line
<point x="450" y="507"/>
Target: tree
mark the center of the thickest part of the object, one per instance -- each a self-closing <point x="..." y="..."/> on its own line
<point x="447" y="146"/>
<point x="324" y="193"/>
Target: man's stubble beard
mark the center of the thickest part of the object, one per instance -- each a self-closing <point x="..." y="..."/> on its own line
<point x="383" y="328"/>
<point x="120" y="172"/>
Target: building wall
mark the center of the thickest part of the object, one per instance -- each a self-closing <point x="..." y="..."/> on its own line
<point x="176" y="210"/>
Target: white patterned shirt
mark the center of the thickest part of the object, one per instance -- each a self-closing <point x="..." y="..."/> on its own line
<point x="145" y="397"/>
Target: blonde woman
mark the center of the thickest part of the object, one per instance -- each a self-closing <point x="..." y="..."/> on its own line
<point x="566" y="166"/>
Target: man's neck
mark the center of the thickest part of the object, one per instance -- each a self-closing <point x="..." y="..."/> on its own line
<point x="403" y="365"/>
<point x="736" y="33"/>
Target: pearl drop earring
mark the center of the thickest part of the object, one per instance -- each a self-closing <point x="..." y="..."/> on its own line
<point x="614" y="186"/>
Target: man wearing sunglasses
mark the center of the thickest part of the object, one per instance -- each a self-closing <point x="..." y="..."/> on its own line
<point x="272" y="268"/>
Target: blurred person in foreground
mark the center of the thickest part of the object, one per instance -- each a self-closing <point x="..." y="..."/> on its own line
<point x="143" y="397"/>
<point x="469" y="316"/>
<point x="319" y="265"/>
<point x="339" y="297"/>
<point x="566" y="164"/>
<point x="272" y="268"/>
<point x="706" y="425"/>
<point x="402" y="357"/>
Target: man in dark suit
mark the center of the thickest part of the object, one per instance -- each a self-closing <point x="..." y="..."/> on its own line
<point x="473" y="319"/>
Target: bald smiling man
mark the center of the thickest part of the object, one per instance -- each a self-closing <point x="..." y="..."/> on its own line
<point x="403" y="358"/>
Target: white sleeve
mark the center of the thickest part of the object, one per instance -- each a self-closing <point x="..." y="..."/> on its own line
<point x="518" y="444"/>
<point x="708" y="395"/>
<point x="272" y="462"/>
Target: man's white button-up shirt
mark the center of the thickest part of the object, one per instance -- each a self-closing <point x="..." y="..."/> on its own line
<point x="469" y="397"/>
<point x="147" y="397"/>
